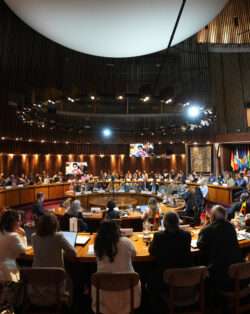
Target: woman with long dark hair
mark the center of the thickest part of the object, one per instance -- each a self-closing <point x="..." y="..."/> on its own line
<point x="114" y="254"/>
<point x="12" y="244"/>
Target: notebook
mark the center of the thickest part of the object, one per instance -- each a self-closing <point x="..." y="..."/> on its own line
<point x="82" y="239"/>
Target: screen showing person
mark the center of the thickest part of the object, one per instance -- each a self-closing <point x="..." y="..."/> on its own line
<point x="76" y="168"/>
<point x="141" y="150"/>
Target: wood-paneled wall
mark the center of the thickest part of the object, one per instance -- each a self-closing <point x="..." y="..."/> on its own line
<point x="230" y="75"/>
<point x="33" y="163"/>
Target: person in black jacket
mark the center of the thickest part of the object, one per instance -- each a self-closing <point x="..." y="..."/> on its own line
<point x="171" y="248"/>
<point x="112" y="213"/>
<point x="38" y="208"/>
<point x="219" y="247"/>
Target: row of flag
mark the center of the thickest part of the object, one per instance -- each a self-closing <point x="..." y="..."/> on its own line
<point x="240" y="159"/>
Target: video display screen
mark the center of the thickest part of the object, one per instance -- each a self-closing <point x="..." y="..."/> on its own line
<point x="141" y="150"/>
<point x="76" y="168"/>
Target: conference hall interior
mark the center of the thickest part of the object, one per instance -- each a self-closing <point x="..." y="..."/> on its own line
<point x="125" y="156"/>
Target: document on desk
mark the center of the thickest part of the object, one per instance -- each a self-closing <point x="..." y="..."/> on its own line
<point x="194" y="244"/>
<point x="82" y="239"/>
<point x="91" y="249"/>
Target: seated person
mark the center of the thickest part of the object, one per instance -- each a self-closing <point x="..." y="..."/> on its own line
<point x="12" y="244"/>
<point x="67" y="203"/>
<point x="114" y="253"/>
<point x="152" y="214"/>
<point x="243" y="206"/>
<point x="219" y="246"/>
<point x="171" y="248"/>
<point x="229" y="181"/>
<point x="199" y="199"/>
<point x="112" y="212"/>
<point x="154" y="186"/>
<point x="38" y="208"/>
<point x="49" y="245"/>
<point x="189" y="198"/>
<point x="75" y="210"/>
<point x="212" y="178"/>
<point x="241" y="181"/>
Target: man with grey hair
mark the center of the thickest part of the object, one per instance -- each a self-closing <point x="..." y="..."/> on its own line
<point x="219" y="247"/>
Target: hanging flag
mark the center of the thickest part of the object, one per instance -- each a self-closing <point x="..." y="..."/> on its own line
<point x="232" y="160"/>
<point x="236" y="160"/>
<point x="248" y="159"/>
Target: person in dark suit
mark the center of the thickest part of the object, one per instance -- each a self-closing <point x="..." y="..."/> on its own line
<point x="219" y="247"/>
<point x="171" y="248"/>
<point x="112" y="213"/>
<point x="38" y="207"/>
<point x="243" y="206"/>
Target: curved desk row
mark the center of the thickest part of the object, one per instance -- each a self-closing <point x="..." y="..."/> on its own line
<point x="133" y="219"/>
<point x="19" y="196"/>
<point x="122" y="199"/>
<point x="85" y="255"/>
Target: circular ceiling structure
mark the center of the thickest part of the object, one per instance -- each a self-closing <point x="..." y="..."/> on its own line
<point x="115" y="28"/>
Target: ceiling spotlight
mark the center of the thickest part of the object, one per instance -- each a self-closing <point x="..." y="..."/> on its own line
<point x="71" y="99"/>
<point x="193" y="112"/>
<point x="42" y="141"/>
<point x="30" y="140"/>
<point x="186" y="104"/>
<point x="168" y="101"/>
<point x="146" y="98"/>
<point x="120" y="97"/>
<point x="54" y="142"/>
<point x="92" y="97"/>
<point x="106" y="132"/>
<point x="66" y="142"/>
<point x="2" y="138"/>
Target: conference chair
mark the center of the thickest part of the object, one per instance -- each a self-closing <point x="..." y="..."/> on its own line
<point x="186" y="289"/>
<point x="45" y="288"/>
<point x="115" y="282"/>
<point x="238" y="298"/>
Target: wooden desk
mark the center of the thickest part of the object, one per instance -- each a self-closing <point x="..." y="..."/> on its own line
<point x="19" y="196"/>
<point x="219" y="194"/>
<point x="142" y="254"/>
<point x="124" y="199"/>
<point x="132" y="220"/>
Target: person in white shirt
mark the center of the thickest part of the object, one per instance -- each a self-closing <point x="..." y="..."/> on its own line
<point x="114" y="254"/>
<point x="12" y="244"/>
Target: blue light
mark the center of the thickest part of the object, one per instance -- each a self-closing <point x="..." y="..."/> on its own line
<point x="193" y="112"/>
<point x="106" y="132"/>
